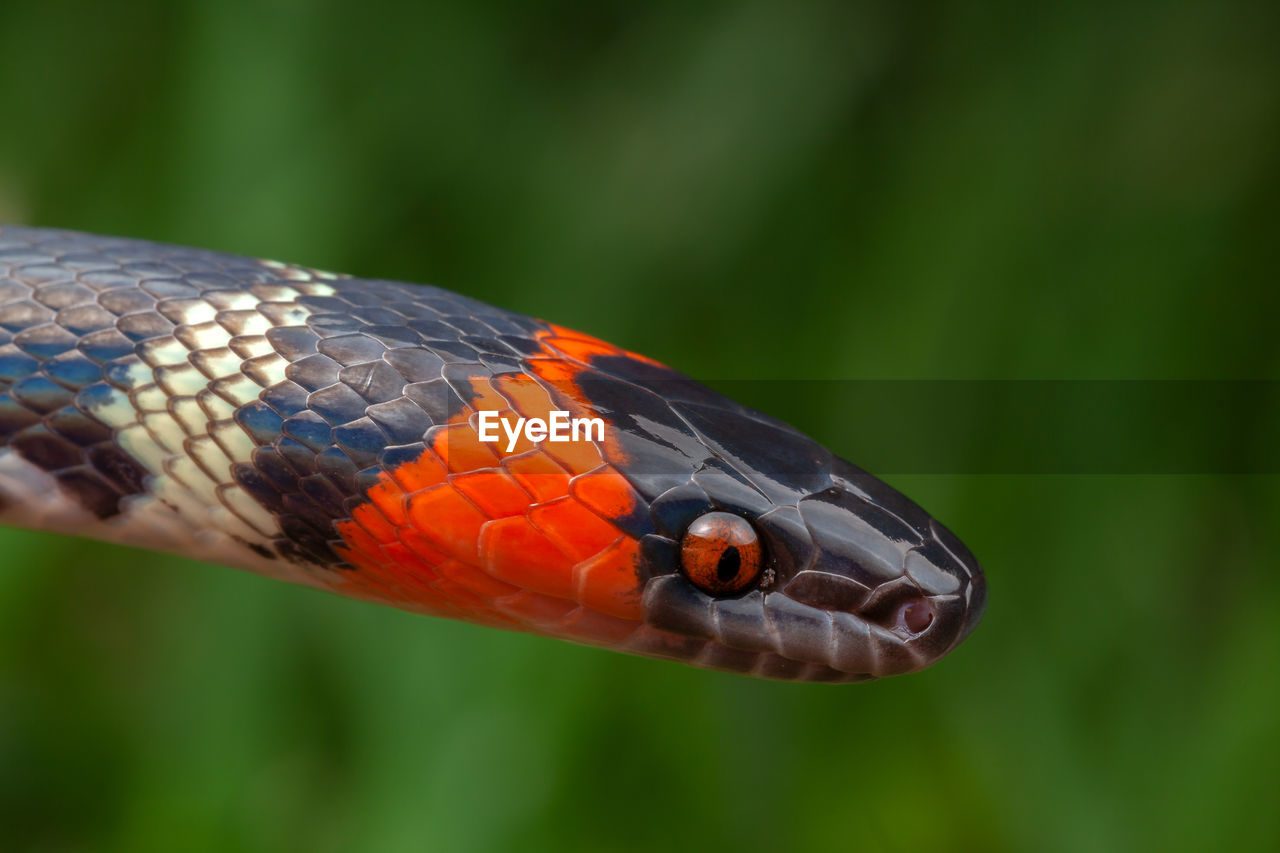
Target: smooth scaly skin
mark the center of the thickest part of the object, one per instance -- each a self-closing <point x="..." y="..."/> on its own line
<point x="322" y="430"/>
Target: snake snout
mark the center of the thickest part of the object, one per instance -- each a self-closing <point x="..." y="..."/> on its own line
<point x="900" y="589"/>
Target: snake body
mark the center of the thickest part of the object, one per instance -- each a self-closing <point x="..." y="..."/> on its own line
<point x="325" y="430"/>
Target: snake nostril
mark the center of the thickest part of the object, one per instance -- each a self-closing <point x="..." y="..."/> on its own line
<point x="915" y="616"/>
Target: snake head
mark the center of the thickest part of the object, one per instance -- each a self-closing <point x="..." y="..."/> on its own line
<point x="775" y="558"/>
<point x="853" y="582"/>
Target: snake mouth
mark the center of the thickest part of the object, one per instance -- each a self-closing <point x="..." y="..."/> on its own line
<point x="781" y="634"/>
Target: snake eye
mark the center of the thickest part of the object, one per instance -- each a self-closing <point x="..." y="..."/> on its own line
<point x="721" y="553"/>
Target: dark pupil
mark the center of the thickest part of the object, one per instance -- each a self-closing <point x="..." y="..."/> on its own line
<point x="730" y="562"/>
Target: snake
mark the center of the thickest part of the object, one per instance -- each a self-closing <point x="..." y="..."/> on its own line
<point x="409" y="446"/>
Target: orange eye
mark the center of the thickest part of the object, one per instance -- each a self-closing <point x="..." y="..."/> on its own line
<point x="721" y="553"/>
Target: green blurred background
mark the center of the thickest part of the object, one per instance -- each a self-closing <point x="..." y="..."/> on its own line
<point x="743" y="190"/>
